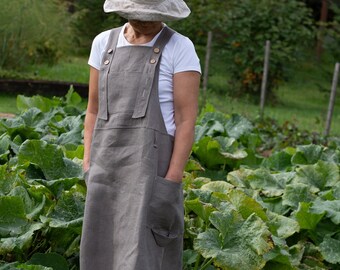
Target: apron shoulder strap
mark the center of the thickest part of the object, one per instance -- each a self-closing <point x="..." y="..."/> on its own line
<point x="149" y="72"/>
<point x="112" y="42"/>
<point x="110" y="50"/>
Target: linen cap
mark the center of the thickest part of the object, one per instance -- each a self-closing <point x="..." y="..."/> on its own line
<point x="148" y="10"/>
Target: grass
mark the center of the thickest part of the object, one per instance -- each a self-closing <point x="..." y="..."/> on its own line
<point x="69" y="70"/>
<point x="301" y="100"/>
<point x="8" y="103"/>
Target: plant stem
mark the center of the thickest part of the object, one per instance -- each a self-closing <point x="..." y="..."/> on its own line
<point x="197" y="261"/>
<point x="206" y="264"/>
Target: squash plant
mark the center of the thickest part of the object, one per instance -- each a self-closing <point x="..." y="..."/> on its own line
<point x="243" y="209"/>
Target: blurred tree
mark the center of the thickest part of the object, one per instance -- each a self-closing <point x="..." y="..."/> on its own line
<point x="248" y="24"/>
<point x="332" y="32"/>
<point x="89" y="20"/>
<point x="32" y="31"/>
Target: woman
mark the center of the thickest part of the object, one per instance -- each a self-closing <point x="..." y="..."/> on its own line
<point x="143" y="89"/>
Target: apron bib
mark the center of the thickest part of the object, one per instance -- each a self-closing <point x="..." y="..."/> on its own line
<point x="133" y="215"/>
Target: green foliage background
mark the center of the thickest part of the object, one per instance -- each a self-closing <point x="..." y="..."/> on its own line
<point x="32" y="31"/>
<point x="43" y="31"/>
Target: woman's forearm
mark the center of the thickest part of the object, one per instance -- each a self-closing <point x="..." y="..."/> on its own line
<point x="91" y="116"/>
<point x="184" y="138"/>
<point x="90" y="120"/>
<point x="186" y="88"/>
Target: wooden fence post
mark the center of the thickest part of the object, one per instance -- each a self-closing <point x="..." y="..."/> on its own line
<point x="206" y="67"/>
<point x="265" y="77"/>
<point x="332" y="100"/>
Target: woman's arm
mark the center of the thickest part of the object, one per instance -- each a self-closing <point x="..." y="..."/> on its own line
<point x="91" y="115"/>
<point x="186" y="89"/>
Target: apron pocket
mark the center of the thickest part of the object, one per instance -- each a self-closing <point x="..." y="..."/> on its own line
<point x="163" y="238"/>
<point x="165" y="211"/>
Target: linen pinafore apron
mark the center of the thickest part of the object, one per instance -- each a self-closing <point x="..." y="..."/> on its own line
<point x="133" y="216"/>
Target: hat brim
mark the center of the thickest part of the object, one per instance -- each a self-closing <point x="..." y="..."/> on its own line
<point x="164" y="11"/>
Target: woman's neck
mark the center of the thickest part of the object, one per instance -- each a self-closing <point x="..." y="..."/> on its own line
<point x="140" y="32"/>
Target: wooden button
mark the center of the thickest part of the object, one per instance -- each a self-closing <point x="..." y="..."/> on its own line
<point x="110" y="51"/>
<point x="156" y="50"/>
<point x="152" y="61"/>
<point x="106" y="62"/>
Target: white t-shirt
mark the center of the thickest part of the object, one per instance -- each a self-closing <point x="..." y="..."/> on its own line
<point x="178" y="55"/>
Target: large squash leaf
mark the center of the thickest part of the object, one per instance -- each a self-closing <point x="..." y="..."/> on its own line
<point x="330" y="208"/>
<point x="318" y="176"/>
<point x="330" y="249"/>
<point x="307" y="154"/>
<point x="237" y="126"/>
<point x="49" y="158"/>
<point x="235" y="243"/>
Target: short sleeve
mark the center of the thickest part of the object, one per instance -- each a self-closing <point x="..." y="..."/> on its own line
<point x="97" y="49"/>
<point x="185" y="57"/>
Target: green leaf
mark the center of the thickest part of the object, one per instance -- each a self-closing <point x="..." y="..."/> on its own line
<point x="218" y="186"/>
<point x="318" y="176"/>
<point x="330" y="249"/>
<point x="211" y="128"/>
<point x="72" y="97"/>
<point x="235" y="244"/>
<point x="296" y="193"/>
<point x="237" y="126"/>
<point x="5" y="142"/>
<point x="51" y="260"/>
<point x="17" y="126"/>
<point x="262" y="179"/>
<point x="280" y="161"/>
<point x="201" y="209"/>
<point x="330" y="208"/>
<point x="12" y="216"/>
<point x="189" y="182"/>
<point x="49" y="158"/>
<point x="230" y="148"/>
<point x="58" y="186"/>
<point x="279" y="256"/>
<point x="35" y="118"/>
<point x="69" y="210"/>
<point x="282" y="226"/>
<point x="42" y="103"/>
<point x="246" y="205"/>
<point x="22" y="242"/>
<point x="336" y="191"/>
<point x="239" y="177"/>
<point x="324" y="227"/>
<point x="65" y="241"/>
<point x="312" y="258"/>
<point x="73" y="151"/>
<point x="274" y="204"/>
<point x="307" y="154"/>
<point x="8" y="180"/>
<point x="189" y="256"/>
<point x="193" y="165"/>
<point x="71" y="128"/>
<point x="306" y="219"/>
<point x="208" y="152"/>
